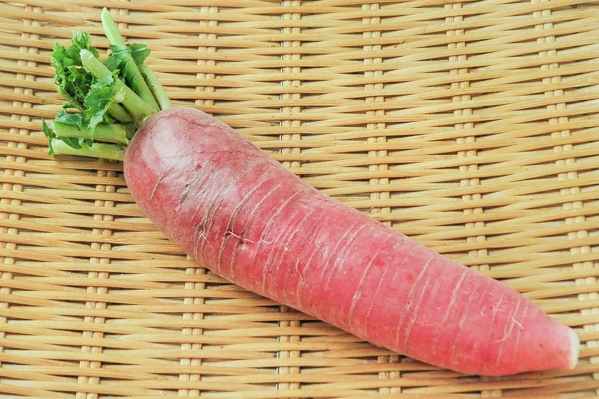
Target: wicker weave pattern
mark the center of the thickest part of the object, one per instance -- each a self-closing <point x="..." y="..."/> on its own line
<point x="471" y="126"/>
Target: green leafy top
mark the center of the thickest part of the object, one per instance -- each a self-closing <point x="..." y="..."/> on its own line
<point x="72" y="80"/>
<point x="106" y="100"/>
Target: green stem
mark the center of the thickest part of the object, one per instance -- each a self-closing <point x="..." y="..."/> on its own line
<point x="139" y="109"/>
<point x="96" y="131"/>
<point x="112" y="133"/>
<point x="159" y="93"/>
<point x="118" y="112"/>
<point x="95" y="150"/>
<point x="132" y="73"/>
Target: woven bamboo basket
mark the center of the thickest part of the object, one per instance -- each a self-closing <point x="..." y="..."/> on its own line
<point x="471" y="126"/>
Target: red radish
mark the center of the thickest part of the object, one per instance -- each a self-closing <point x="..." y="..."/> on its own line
<point x="244" y="216"/>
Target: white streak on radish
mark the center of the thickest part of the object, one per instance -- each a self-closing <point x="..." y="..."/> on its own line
<point x="244" y="232"/>
<point x="472" y="299"/>
<point x="280" y="243"/>
<point x="224" y="194"/>
<point x="374" y="299"/>
<point x="415" y="295"/>
<point x="452" y="301"/>
<point x="158" y="182"/>
<point x="307" y="263"/>
<point x="340" y="254"/>
<point x="512" y="330"/>
<point x="285" y="242"/>
<point x="241" y="237"/>
<point x="358" y="294"/>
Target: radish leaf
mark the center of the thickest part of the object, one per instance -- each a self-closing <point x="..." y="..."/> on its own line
<point x="113" y="96"/>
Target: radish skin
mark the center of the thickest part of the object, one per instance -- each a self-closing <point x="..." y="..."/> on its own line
<point x="244" y="216"/>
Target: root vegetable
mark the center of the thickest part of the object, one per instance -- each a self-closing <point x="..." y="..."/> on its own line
<point x="244" y="216"/>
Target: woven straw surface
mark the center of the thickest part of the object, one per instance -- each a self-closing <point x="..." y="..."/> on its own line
<point x="471" y="126"/>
